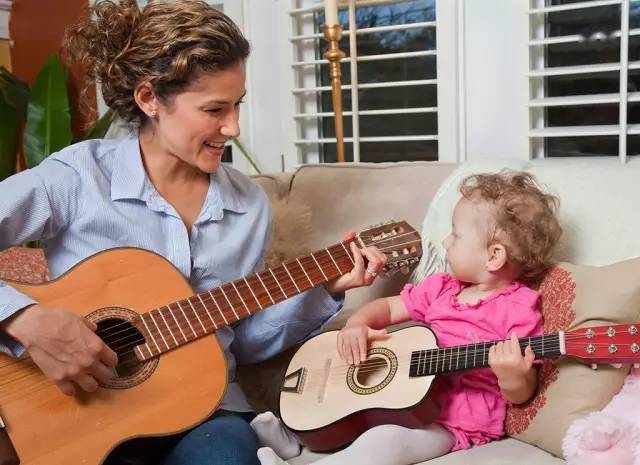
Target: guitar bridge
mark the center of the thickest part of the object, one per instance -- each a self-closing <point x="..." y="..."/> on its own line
<point x="298" y="377"/>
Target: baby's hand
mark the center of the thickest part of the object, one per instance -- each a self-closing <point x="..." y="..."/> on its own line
<point x="508" y="363"/>
<point x="353" y="339"/>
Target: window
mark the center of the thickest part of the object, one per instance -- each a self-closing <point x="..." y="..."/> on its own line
<point x="393" y="115"/>
<point x="584" y="78"/>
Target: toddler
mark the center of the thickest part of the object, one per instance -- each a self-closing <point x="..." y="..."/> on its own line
<point x="503" y="233"/>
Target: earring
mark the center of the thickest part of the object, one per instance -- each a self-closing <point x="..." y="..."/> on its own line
<point x="154" y="113"/>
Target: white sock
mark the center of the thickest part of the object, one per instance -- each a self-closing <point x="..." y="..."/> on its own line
<point x="273" y="434"/>
<point x="267" y="456"/>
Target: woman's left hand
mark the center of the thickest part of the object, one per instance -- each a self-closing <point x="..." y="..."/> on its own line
<point x="362" y="274"/>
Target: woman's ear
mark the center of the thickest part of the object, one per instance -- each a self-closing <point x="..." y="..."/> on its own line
<point x="497" y="257"/>
<point x="146" y="99"/>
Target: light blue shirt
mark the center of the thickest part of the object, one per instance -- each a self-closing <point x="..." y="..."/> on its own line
<point x="96" y="195"/>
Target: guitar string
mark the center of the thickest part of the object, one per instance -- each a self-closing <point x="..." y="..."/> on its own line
<point x="326" y="262"/>
<point x="132" y="331"/>
<point x="338" y="255"/>
<point x="44" y="382"/>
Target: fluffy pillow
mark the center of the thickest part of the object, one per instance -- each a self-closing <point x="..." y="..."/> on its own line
<point x="574" y="296"/>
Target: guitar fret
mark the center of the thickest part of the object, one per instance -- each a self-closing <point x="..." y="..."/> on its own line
<point x="177" y="323"/>
<point x="543" y="345"/>
<point x="348" y="254"/>
<point x="484" y="353"/>
<point x="475" y="344"/>
<point x="305" y="272"/>
<point x="284" y="265"/>
<point x="320" y="268"/>
<point x="444" y="358"/>
<point x="197" y="316"/>
<point x="334" y="262"/>
<point x="458" y="357"/>
<point x="265" y="288"/>
<point x="450" y="358"/>
<point x="419" y="361"/>
<point x="158" y="328"/>
<point x="253" y="294"/>
<point x="218" y="307"/>
<point x="230" y="304"/>
<point x="278" y="283"/>
<point x="241" y="299"/>
<point x="431" y="362"/>
<point x="168" y="327"/>
<point x="185" y="317"/>
<point x="215" y="325"/>
<point x="151" y="335"/>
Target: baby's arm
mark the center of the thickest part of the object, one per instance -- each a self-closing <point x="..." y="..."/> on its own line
<point x="516" y="373"/>
<point x="369" y="322"/>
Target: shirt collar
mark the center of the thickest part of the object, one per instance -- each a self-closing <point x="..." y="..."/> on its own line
<point x="129" y="181"/>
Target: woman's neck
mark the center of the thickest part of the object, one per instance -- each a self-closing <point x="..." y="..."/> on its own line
<point x="164" y="169"/>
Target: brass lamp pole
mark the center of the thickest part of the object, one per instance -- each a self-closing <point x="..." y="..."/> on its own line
<point x="332" y="34"/>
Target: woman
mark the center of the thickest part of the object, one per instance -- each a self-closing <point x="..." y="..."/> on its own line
<point x="176" y="71"/>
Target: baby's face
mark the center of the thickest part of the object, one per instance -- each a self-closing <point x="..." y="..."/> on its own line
<point x="466" y="245"/>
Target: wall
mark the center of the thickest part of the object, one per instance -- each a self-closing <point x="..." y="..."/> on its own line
<point x="36" y="29"/>
<point x="496" y="87"/>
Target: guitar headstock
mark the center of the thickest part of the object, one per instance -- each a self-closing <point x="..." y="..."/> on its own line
<point x="399" y="241"/>
<point x="605" y="344"/>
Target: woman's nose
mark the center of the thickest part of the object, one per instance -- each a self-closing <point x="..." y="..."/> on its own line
<point x="231" y="127"/>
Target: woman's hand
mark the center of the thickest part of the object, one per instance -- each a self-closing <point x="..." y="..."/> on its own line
<point x="514" y="371"/>
<point x="64" y="346"/>
<point x="353" y="340"/>
<point x="360" y="275"/>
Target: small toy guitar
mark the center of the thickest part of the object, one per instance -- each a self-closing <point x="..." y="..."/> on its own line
<point x="328" y="403"/>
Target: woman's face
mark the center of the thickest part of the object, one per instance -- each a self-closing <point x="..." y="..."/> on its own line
<point x="195" y="124"/>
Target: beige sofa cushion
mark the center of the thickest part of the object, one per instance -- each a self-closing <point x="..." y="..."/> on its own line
<point x="575" y="296"/>
<point x="357" y="195"/>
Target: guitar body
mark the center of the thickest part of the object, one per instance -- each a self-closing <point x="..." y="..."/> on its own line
<point x="329" y="404"/>
<point x="159" y="397"/>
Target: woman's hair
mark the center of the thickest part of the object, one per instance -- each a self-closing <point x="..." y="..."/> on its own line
<point x="524" y="221"/>
<point x="166" y="43"/>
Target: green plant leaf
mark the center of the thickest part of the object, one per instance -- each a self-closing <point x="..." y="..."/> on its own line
<point x="14" y="97"/>
<point x="48" y="127"/>
<point x="8" y="138"/>
<point x="101" y="127"/>
<point x="14" y="91"/>
<point x="246" y="154"/>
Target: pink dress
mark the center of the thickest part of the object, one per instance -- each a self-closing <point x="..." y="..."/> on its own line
<point x="471" y="404"/>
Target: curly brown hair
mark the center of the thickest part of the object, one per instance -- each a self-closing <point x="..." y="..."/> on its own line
<point x="525" y="219"/>
<point x="166" y="44"/>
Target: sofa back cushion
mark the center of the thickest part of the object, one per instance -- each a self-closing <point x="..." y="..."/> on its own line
<point x="598" y="211"/>
<point x="353" y="196"/>
<point x="576" y="296"/>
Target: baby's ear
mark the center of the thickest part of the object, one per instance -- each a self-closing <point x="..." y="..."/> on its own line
<point x="497" y="257"/>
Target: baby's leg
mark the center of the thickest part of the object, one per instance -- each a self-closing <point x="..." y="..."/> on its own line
<point x="272" y="433"/>
<point x="385" y="445"/>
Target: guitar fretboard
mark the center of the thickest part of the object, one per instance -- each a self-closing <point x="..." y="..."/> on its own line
<point x="178" y="323"/>
<point x="458" y="358"/>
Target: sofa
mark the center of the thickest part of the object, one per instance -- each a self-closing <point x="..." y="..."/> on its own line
<point x="316" y="204"/>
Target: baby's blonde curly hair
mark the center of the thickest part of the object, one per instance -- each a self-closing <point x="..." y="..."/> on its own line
<point x="165" y="43"/>
<point x="525" y="219"/>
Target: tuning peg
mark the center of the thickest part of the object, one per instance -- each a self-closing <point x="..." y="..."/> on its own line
<point x="594" y="366"/>
<point x="636" y="365"/>
<point x="616" y="365"/>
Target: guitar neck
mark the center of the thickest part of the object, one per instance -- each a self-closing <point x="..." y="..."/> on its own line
<point x="177" y="323"/>
<point x="458" y="358"/>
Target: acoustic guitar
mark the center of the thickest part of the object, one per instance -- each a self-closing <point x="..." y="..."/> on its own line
<point x="328" y="403"/>
<point x="169" y="376"/>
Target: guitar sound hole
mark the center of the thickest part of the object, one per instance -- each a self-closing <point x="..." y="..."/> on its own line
<point x="121" y="337"/>
<point x="117" y="332"/>
<point x="372" y="372"/>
